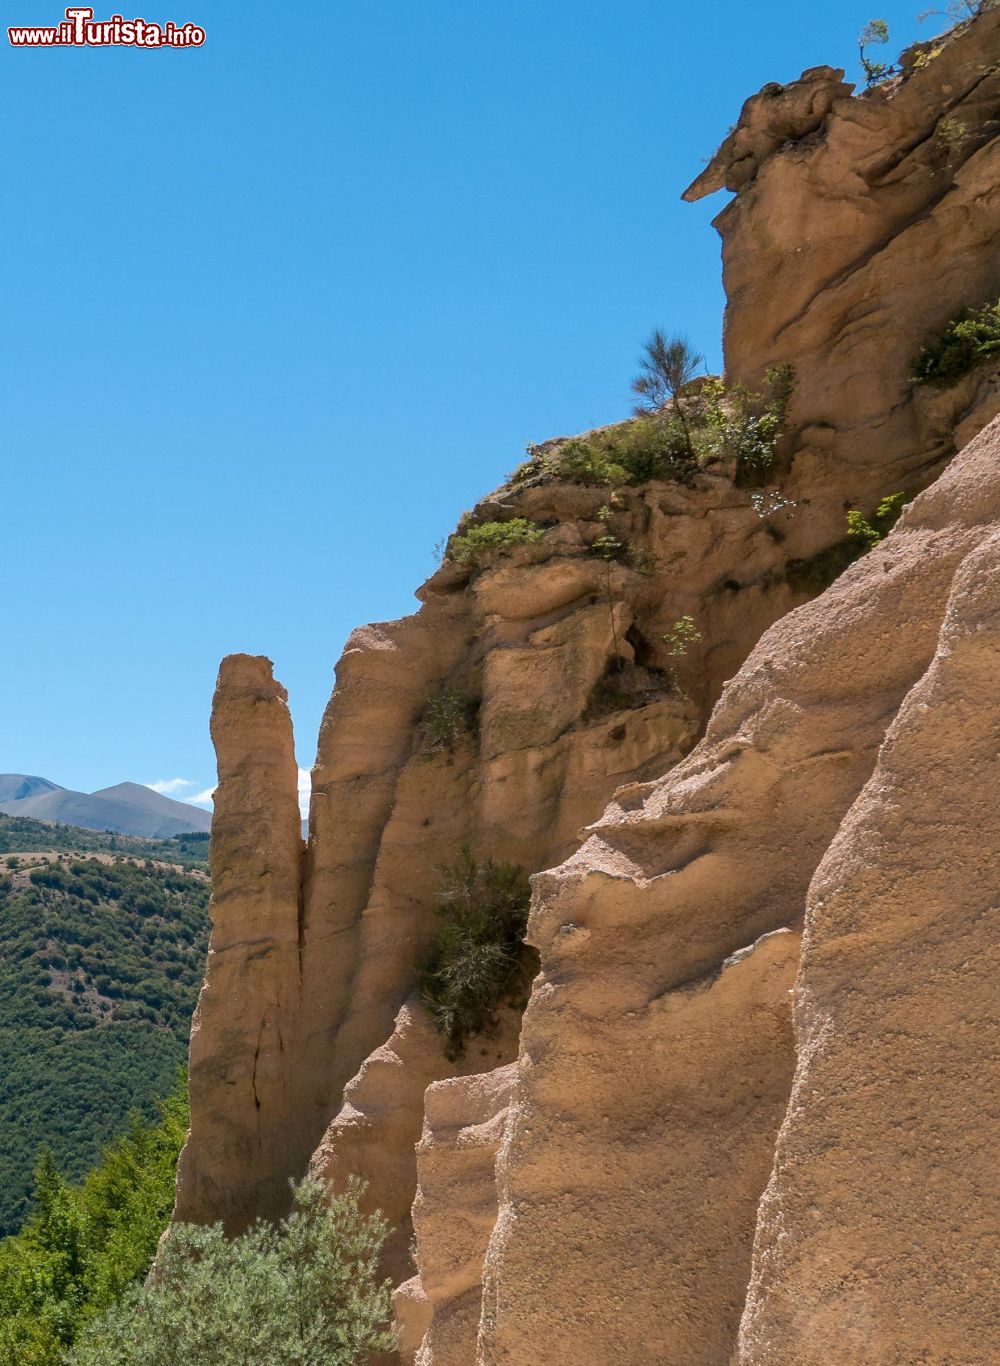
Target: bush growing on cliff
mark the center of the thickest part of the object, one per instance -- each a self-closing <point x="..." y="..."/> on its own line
<point x="678" y="640"/>
<point x="968" y="341"/>
<point x="873" y="529"/>
<point x="479" y="958"/>
<point x="653" y="447"/>
<point x="447" y="716"/>
<point x="668" y="366"/>
<point x="478" y="545"/>
<point x="306" y="1292"/>
<point x="719" y="421"/>
<point x="744" y="425"/>
<point x="874" y="33"/>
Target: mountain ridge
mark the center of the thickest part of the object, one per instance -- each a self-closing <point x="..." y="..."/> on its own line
<point x="125" y="808"/>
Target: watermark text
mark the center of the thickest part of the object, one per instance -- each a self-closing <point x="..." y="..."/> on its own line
<point x="79" y="29"/>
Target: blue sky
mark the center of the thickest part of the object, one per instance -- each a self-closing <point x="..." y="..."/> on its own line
<point x="277" y="309"/>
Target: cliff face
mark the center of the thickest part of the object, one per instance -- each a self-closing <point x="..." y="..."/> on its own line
<point x="860" y="225"/>
<point x="656" y="1056"/>
<point x="608" y="1175"/>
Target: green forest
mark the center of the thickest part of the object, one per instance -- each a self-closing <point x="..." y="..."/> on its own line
<point x="73" y="1287"/>
<point x="101" y="961"/>
<point x="84" y="1245"/>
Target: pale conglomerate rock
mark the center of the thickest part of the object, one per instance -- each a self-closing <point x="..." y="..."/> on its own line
<point x="375" y="1133"/>
<point x="243" y="1038"/>
<point x="638" y="1146"/>
<point x="876" y="1237"/>
<point x="388" y="809"/>
<point x="453" y="1214"/>
<point x="657" y="1052"/>
<point x="640" y="1134"/>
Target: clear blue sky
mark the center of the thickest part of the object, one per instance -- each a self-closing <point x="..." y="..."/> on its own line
<point x="276" y="310"/>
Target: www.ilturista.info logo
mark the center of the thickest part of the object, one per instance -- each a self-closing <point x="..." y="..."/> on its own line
<point x="79" y="29"/>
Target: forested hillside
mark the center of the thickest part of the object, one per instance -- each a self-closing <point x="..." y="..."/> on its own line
<point x="21" y="834"/>
<point x="101" y="959"/>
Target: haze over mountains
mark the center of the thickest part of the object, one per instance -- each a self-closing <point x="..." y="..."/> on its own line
<point x="125" y="809"/>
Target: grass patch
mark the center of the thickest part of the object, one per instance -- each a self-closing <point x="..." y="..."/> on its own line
<point x="967" y="342"/>
<point x="479" y="958"/>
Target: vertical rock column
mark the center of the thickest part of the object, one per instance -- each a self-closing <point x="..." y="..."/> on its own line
<point x="237" y="1159"/>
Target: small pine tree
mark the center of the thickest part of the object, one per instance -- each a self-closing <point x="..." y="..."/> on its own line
<point x="668" y="366"/>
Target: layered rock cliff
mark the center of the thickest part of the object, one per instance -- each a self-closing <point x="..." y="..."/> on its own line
<point x="658" y="1150"/>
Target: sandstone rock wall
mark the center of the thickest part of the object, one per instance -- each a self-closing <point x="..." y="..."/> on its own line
<point x="860" y="226"/>
<point x="454" y="1214"/>
<point x="640" y="1137"/>
<point x="875" y="1239"/>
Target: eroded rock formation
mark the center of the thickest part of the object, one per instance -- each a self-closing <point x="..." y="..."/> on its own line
<point x="601" y="1181"/>
<point x="861" y="225"/>
<point x="639" y="1143"/>
<point x="241" y="1084"/>
<point x="454" y="1213"/>
<point x="875" y="1236"/>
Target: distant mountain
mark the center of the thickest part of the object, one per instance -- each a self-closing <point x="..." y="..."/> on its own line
<point x="125" y="809"/>
<point x="15" y="786"/>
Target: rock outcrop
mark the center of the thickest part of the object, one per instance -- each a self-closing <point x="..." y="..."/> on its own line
<point x="875" y="1238"/>
<point x="860" y="226"/>
<point x="640" y="1138"/>
<point x="376" y="1132"/>
<point x="453" y="1214"/>
<point x="244" y="1031"/>
<point x="602" y="1180"/>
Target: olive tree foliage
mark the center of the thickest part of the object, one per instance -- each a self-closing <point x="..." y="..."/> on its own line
<point x="304" y="1293"/>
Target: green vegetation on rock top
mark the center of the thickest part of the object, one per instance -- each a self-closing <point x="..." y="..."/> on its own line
<point x="478" y="544"/>
<point x="708" y="421"/>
